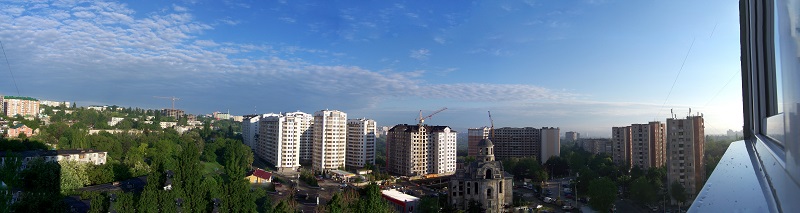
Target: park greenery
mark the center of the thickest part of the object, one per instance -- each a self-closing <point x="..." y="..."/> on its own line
<point x="203" y="165"/>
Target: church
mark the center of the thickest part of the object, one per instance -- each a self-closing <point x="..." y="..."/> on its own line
<point x="483" y="182"/>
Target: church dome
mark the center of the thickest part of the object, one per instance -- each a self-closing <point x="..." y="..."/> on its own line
<point x="485" y="143"/>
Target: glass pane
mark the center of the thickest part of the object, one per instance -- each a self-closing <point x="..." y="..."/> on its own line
<point x="778" y="31"/>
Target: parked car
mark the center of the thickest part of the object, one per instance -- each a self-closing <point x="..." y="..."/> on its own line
<point x="548" y="200"/>
<point x="567" y="207"/>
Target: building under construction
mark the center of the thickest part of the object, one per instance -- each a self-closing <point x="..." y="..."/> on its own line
<point x="418" y="150"/>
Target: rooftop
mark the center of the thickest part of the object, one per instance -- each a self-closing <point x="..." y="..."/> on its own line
<point x="20" y="98"/>
<point x="397" y="195"/>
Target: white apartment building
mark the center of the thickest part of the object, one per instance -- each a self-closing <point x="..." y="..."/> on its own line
<point x="280" y="137"/>
<point x="330" y="140"/>
<point x="442" y="150"/>
<point x="250" y="130"/>
<point x="361" y="134"/>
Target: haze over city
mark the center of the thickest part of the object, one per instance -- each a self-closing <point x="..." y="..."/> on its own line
<point x="582" y="66"/>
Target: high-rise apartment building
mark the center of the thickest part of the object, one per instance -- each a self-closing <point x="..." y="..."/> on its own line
<point x="23" y="106"/>
<point x="442" y="150"/>
<point x="621" y="140"/>
<point x="361" y="134"/>
<point x="473" y="136"/>
<point x="415" y="150"/>
<point x="647" y="145"/>
<point x="551" y="143"/>
<point x="685" y="141"/>
<point x="330" y="140"/>
<point x="597" y="146"/>
<point x="250" y="130"/>
<point x="280" y="138"/>
<point x="512" y="142"/>
<point x="572" y="136"/>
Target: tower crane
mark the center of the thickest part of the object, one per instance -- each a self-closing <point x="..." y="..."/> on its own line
<point x="491" y="129"/>
<point x="422" y="119"/>
<point x="173" y="98"/>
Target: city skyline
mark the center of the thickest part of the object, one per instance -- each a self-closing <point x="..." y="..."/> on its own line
<point x="582" y="66"/>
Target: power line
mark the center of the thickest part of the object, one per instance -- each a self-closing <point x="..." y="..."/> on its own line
<point x="676" y="78"/>
<point x="9" y="68"/>
<point x="720" y="89"/>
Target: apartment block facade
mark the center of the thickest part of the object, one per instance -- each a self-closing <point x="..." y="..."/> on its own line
<point x="551" y="143"/>
<point x="597" y="146"/>
<point x="517" y="142"/>
<point x="621" y="144"/>
<point x="442" y="150"/>
<point x="330" y="140"/>
<point x="572" y="136"/>
<point x="416" y="150"/>
<point x="473" y="136"/>
<point x="23" y="106"/>
<point x="250" y="129"/>
<point x="647" y="145"/>
<point x="361" y="135"/>
<point x="280" y="137"/>
<point x="685" y="145"/>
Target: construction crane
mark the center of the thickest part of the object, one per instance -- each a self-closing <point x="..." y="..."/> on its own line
<point x="173" y="98"/>
<point x="422" y="119"/>
<point x="491" y="129"/>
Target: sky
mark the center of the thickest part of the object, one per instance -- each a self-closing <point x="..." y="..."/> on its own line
<point x="582" y="66"/>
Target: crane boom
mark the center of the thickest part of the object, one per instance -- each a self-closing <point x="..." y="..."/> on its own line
<point x="173" y="98"/>
<point x="492" y="122"/>
<point x="422" y="119"/>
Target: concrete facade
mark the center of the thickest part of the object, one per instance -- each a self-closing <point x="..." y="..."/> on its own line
<point x="647" y="145"/>
<point x="330" y="140"/>
<point x="473" y="136"/>
<point x="417" y="150"/>
<point x="621" y="139"/>
<point x="685" y="146"/>
<point x="24" y="106"/>
<point x="443" y="151"/>
<point x="551" y="143"/>
<point x="280" y="136"/>
<point x="361" y="134"/>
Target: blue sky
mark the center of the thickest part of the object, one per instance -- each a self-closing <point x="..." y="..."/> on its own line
<point x="580" y="65"/>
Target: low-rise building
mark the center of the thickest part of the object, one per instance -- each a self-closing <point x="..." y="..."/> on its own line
<point x="259" y="176"/>
<point x="167" y="124"/>
<point x="115" y="120"/>
<point x="95" y="157"/>
<point x="15" y="130"/>
<point x="400" y="201"/>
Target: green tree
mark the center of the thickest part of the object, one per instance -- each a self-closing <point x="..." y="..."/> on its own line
<point x="73" y="175"/>
<point x="188" y="176"/>
<point x="603" y="192"/>
<point x="429" y="205"/>
<point x="125" y="203"/>
<point x="372" y="202"/>
<point x="238" y="159"/>
<point x="99" y="174"/>
<point x="42" y="177"/>
<point x="642" y="191"/>
<point x="336" y="204"/>
<point x="678" y="192"/>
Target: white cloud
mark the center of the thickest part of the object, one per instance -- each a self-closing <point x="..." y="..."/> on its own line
<point x="179" y="8"/>
<point x="439" y="39"/>
<point x="143" y="56"/>
<point x="287" y="19"/>
<point x="420" y="54"/>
